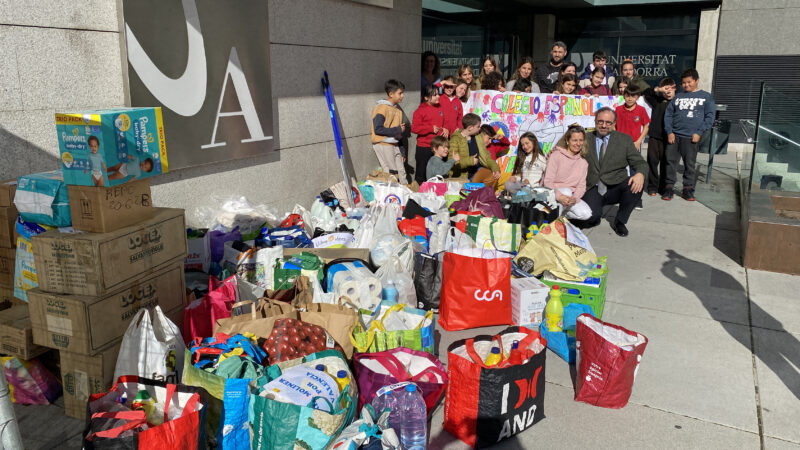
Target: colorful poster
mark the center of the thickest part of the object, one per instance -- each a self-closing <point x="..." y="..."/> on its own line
<point x="546" y="115"/>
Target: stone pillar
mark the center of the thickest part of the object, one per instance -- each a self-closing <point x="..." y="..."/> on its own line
<point x="544" y="30"/>
<point x="707" y="47"/>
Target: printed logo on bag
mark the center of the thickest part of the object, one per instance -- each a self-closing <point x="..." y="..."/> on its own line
<point x="527" y="390"/>
<point x="392" y="199"/>
<point x="525" y="264"/>
<point x="485" y="297"/>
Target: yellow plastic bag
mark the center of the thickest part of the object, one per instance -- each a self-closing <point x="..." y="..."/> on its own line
<point x="549" y="250"/>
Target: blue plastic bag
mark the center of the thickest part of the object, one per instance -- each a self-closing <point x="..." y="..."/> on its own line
<point x="559" y="342"/>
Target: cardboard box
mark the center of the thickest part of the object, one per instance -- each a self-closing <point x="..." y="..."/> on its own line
<point x="42" y="198"/>
<point x="84" y="375"/>
<point x="96" y="263"/>
<point x="8" y="220"/>
<point x="7" y="189"/>
<point x="7" y="263"/>
<point x="84" y="324"/>
<point x="16" y="334"/>
<point x="528" y="300"/>
<point x="198" y="255"/>
<point x="111" y="147"/>
<point x="105" y="209"/>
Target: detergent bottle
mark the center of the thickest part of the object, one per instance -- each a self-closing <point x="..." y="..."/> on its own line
<point x="554" y="311"/>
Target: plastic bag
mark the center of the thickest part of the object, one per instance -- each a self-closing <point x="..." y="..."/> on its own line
<point x="151" y="348"/>
<point x="235" y="212"/>
<point x="394" y="271"/>
<point x="30" y="382"/>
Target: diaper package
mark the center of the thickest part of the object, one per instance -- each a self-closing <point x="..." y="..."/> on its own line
<point x="43" y="198"/>
<point x="111" y="147"/>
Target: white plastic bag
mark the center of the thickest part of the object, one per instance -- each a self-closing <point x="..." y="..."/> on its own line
<point x="438" y="225"/>
<point x="321" y="217"/>
<point x="430" y="201"/>
<point x="151" y="348"/>
<point x="394" y="272"/>
<point x="362" y="238"/>
<point x="235" y="212"/>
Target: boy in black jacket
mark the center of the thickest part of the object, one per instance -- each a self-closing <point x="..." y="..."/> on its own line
<point x="658" y="99"/>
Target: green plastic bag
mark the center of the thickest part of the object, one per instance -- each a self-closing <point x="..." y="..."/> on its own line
<point x="276" y="425"/>
<point x="473" y="223"/>
<point x="309" y="265"/>
<point x="380" y="334"/>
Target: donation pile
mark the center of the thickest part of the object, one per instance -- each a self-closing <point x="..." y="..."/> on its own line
<point x="311" y="329"/>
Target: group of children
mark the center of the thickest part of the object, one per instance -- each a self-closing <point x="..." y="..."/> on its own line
<point x="452" y="144"/>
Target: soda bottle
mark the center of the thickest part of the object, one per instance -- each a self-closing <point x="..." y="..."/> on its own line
<point x="494" y="357"/>
<point x="515" y="356"/>
<point x="413" y="430"/>
<point x="554" y="311"/>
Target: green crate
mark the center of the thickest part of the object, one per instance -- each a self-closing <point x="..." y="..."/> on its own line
<point x="576" y="292"/>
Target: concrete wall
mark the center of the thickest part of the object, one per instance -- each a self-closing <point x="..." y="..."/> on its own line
<point x="65" y="55"/>
<point x="763" y="27"/>
<point x="707" y="47"/>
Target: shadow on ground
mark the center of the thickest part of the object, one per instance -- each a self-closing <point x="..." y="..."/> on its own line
<point x="783" y="360"/>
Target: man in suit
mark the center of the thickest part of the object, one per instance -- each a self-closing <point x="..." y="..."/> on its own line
<point x="607" y="181"/>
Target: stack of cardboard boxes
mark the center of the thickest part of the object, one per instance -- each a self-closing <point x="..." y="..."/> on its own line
<point x="127" y="255"/>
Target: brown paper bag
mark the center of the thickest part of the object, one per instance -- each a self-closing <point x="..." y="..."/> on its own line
<point x="338" y="321"/>
<point x="258" y="319"/>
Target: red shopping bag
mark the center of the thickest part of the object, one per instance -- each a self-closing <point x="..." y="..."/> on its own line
<point x="182" y="425"/>
<point x="484" y="405"/>
<point x="376" y="370"/>
<point x="476" y="286"/>
<point x="413" y="227"/>
<point x="200" y="316"/>
<point x="608" y="358"/>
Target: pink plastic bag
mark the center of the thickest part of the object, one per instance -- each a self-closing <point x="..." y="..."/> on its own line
<point x="200" y="316"/>
<point x="32" y="383"/>
<point x="435" y="185"/>
<point x="376" y="370"/>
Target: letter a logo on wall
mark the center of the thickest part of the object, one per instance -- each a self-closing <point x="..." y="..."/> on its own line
<point x="207" y="64"/>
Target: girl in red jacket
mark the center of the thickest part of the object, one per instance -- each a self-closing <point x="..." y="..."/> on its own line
<point x="451" y="105"/>
<point x="427" y="122"/>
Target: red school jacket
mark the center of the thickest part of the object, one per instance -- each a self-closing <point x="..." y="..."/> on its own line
<point x="453" y="112"/>
<point x="423" y="121"/>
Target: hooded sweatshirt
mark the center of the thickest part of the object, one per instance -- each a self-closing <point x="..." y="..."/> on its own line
<point x="689" y="113"/>
<point x="566" y="170"/>
<point x="422" y="122"/>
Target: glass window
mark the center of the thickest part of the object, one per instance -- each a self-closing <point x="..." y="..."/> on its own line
<point x="657" y="57"/>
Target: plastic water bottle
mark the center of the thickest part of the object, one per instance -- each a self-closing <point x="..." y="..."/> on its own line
<point x="389" y="400"/>
<point x="413" y="431"/>
<point x="389" y="292"/>
<point x="554" y="311"/>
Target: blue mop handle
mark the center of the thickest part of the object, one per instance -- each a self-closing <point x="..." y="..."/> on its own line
<point x="332" y="111"/>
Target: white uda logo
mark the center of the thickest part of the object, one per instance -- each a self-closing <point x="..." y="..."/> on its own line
<point x="485" y="296"/>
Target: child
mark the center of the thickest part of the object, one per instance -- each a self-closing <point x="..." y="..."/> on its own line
<point x="529" y="165"/>
<point x="566" y="173"/>
<point x="496" y="144"/>
<point x="567" y="85"/>
<point x="658" y="99"/>
<point x="689" y="115"/>
<point x="427" y="122"/>
<point x="622" y="84"/>
<point x="597" y="86"/>
<point x="96" y="163"/>
<point x="599" y="59"/>
<point x="452" y="108"/>
<point x="493" y="82"/>
<point x="439" y="164"/>
<point x="632" y="119"/>
<point x="475" y="162"/>
<point x="388" y="129"/>
<point x="132" y="168"/>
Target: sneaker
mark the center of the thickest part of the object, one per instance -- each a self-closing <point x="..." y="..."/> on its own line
<point x="639" y="205"/>
<point x="688" y="195"/>
<point x="652" y="193"/>
<point x="667" y="195"/>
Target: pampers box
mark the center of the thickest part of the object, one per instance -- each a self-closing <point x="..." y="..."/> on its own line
<point x="112" y="146"/>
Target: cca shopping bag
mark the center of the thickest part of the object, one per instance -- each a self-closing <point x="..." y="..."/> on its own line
<point x="393" y="325"/>
<point x="151" y="348"/>
<point x="376" y="370"/>
<point x="608" y="358"/>
<point x="173" y="415"/>
<point x="277" y="425"/>
<point x="476" y="287"/>
<point x="484" y="405"/>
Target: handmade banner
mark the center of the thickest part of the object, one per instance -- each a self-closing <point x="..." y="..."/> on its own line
<point x="546" y="115"/>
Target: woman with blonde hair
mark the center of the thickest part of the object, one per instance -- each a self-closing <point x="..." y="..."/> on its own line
<point x="465" y="73"/>
<point x="566" y="173"/>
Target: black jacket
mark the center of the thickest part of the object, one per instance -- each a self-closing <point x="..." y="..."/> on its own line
<point x="659" y="105"/>
<point x="547" y="77"/>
